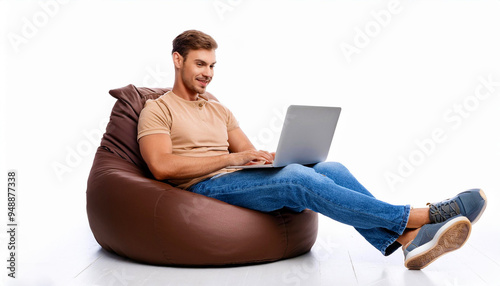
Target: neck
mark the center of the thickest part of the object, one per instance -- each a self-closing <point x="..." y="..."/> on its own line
<point x="181" y="91"/>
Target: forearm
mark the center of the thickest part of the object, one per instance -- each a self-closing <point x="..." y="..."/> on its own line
<point x="156" y="150"/>
<point x="171" y="166"/>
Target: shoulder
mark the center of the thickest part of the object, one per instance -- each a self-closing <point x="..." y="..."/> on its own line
<point x="159" y="104"/>
<point x="156" y="108"/>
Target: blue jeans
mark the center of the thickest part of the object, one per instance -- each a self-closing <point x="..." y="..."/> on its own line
<point x="328" y="188"/>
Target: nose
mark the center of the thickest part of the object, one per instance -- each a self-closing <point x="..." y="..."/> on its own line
<point x="208" y="72"/>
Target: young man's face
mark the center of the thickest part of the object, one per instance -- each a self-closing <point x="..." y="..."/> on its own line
<point x="197" y="70"/>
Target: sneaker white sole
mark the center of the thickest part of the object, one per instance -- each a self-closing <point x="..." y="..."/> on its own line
<point x="449" y="237"/>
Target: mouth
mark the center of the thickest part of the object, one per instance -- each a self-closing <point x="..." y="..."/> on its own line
<point x="203" y="82"/>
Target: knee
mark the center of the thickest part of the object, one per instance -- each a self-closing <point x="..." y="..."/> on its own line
<point x="299" y="174"/>
<point x="333" y="170"/>
<point x="294" y="170"/>
<point x="336" y="167"/>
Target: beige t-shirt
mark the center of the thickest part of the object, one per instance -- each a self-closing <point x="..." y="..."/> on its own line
<point x="196" y="128"/>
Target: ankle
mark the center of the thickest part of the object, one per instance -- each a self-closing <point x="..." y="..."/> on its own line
<point x="418" y="218"/>
<point x="407" y="237"/>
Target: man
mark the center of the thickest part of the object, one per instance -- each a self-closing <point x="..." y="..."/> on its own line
<point x="189" y="140"/>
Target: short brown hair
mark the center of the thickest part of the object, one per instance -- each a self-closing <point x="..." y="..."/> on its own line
<point x="192" y="40"/>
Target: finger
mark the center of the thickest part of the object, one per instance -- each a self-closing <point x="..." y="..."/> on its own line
<point x="268" y="159"/>
<point x="268" y="156"/>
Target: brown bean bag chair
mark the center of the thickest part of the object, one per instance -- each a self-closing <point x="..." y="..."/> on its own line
<point x="135" y="216"/>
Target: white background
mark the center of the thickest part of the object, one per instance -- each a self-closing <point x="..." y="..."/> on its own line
<point x="414" y="64"/>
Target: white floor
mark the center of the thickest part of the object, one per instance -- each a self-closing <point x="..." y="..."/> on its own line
<point x="339" y="257"/>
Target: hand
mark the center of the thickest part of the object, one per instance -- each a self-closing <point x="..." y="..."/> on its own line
<point x="252" y="157"/>
<point x="263" y="162"/>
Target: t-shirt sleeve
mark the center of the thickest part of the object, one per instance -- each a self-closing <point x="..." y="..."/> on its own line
<point x="232" y="123"/>
<point x="153" y="120"/>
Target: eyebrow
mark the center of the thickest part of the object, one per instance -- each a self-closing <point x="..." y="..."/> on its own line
<point x="203" y="62"/>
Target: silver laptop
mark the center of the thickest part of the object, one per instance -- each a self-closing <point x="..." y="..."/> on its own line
<point x="306" y="136"/>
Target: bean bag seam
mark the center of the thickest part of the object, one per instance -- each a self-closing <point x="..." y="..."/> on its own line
<point x="167" y="260"/>
<point x="286" y="234"/>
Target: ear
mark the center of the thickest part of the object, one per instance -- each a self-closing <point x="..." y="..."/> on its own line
<point x="178" y="60"/>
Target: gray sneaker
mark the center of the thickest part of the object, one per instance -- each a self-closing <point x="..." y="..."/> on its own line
<point x="471" y="204"/>
<point x="434" y="240"/>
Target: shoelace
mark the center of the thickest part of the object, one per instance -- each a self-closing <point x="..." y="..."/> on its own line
<point x="443" y="211"/>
